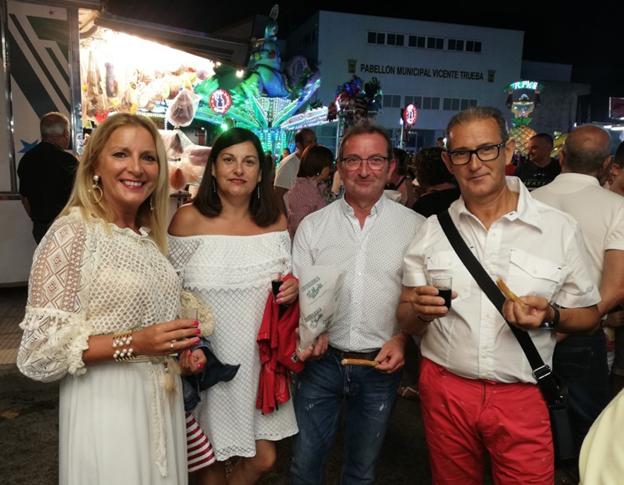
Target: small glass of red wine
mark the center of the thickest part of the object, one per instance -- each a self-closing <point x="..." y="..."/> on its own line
<point x="444" y="284"/>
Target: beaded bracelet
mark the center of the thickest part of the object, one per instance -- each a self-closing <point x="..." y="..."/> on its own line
<point x="121" y="344"/>
<point x="122" y="339"/>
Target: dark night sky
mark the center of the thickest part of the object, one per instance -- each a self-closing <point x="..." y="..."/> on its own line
<point x="589" y="38"/>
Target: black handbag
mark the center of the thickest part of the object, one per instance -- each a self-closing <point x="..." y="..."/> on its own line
<point x="554" y="393"/>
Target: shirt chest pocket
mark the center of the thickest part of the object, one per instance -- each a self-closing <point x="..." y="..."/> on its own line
<point x="533" y="275"/>
<point x="443" y="263"/>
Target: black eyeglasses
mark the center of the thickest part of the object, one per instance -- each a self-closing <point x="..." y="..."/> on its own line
<point x="353" y="162"/>
<point x="486" y="153"/>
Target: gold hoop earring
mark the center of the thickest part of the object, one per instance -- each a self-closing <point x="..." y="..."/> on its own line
<point x="96" y="190"/>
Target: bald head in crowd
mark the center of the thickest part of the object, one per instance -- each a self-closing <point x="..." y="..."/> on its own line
<point x="587" y="150"/>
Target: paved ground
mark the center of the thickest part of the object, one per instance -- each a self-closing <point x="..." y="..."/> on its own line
<point x="29" y="424"/>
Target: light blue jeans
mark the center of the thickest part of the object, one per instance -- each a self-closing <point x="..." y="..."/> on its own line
<point x="320" y="391"/>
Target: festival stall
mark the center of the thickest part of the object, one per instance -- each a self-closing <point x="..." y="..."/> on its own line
<point x="60" y="57"/>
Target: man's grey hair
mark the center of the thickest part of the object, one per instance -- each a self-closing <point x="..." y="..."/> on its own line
<point x="479" y="113"/>
<point x="53" y="124"/>
<point x="586" y="149"/>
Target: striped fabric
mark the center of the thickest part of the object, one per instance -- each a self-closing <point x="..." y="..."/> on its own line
<point x="199" y="449"/>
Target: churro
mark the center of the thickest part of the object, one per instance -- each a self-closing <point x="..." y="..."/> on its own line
<point x="369" y="363"/>
<point x="510" y="295"/>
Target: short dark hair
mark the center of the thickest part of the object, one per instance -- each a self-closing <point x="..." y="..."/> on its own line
<point x="430" y="169"/>
<point x="365" y="127"/>
<point x="402" y="160"/>
<point x="314" y="159"/>
<point x="263" y="208"/>
<point x="618" y="159"/>
<point x="544" y="136"/>
<point x="478" y="113"/>
<point x="300" y="136"/>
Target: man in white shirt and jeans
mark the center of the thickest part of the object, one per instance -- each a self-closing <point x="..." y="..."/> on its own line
<point x="476" y="386"/>
<point x="364" y="236"/>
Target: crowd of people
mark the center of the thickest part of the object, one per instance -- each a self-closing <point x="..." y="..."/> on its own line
<point x="106" y="294"/>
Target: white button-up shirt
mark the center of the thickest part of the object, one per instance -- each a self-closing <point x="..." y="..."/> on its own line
<point x="371" y="259"/>
<point x="599" y="212"/>
<point x="536" y="249"/>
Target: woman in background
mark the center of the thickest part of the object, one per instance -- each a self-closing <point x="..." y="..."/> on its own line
<point x="439" y="185"/>
<point x="305" y="195"/>
<point x="400" y="180"/>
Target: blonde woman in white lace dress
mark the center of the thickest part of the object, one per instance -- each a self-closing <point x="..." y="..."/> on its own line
<point x="100" y="316"/>
<point x="227" y="246"/>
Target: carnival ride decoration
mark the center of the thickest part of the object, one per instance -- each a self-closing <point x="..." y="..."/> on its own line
<point x="522" y="98"/>
<point x="355" y="100"/>
<point x="264" y="98"/>
<point x="558" y="142"/>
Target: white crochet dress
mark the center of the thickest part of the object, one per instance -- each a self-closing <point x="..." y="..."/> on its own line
<point x="117" y="423"/>
<point x="233" y="274"/>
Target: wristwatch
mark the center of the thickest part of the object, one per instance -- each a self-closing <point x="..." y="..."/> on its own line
<point x="552" y="325"/>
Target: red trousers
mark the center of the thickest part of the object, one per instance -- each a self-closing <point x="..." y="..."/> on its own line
<point x="464" y="417"/>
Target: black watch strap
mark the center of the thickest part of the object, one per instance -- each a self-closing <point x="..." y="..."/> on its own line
<point x="554" y="323"/>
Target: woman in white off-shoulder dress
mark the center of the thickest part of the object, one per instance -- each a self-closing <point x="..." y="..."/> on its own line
<point x="99" y="286"/>
<point x="228" y="246"/>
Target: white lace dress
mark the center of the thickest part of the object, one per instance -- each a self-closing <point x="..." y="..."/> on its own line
<point x="233" y="274"/>
<point x="117" y="423"/>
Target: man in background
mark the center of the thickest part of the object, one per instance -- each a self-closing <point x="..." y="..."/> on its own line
<point x="46" y="174"/>
<point x="289" y="167"/>
<point x="615" y="317"/>
<point x="581" y="359"/>
<point x="539" y="169"/>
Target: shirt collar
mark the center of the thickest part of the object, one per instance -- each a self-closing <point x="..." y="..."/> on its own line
<point x="526" y="211"/>
<point x="348" y="210"/>
<point x="577" y="178"/>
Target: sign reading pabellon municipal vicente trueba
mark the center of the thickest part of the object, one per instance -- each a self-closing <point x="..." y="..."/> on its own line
<point x="418" y="71"/>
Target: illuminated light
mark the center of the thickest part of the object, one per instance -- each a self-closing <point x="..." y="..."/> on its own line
<point x="524" y="85"/>
<point x="120" y="49"/>
<point x="240" y="73"/>
<point x="313" y="117"/>
<point x="224" y="126"/>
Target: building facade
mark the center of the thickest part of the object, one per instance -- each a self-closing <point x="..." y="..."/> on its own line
<point x="440" y="68"/>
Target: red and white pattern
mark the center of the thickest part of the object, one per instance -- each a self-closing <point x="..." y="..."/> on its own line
<point x="199" y="449"/>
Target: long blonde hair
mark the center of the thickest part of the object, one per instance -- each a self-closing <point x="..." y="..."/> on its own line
<point x="82" y="195"/>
